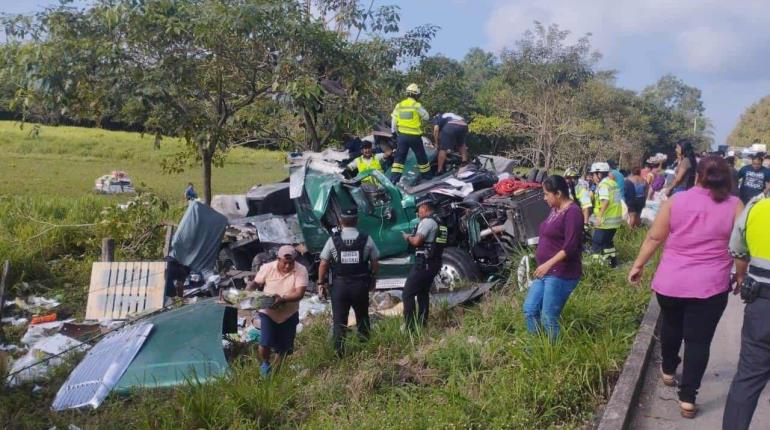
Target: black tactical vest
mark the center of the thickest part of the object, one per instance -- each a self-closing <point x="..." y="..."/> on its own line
<point x="432" y="252"/>
<point x="350" y="260"/>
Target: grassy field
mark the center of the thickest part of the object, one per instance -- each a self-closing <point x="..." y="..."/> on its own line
<point x="65" y="161"/>
<point x="475" y="367"/>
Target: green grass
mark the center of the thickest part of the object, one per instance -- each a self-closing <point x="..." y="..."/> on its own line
<point x="65" y="161"/>
<point x="475" y="367"/>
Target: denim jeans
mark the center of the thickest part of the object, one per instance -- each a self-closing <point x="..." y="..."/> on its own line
<point x="545" y="300"/>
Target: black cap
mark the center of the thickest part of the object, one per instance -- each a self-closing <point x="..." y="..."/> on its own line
<point x="366" y="144"/>
<point x="426" y="199"/>
<point x="350" y="213"/>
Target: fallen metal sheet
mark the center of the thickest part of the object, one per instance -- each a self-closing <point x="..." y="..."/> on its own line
<point x="279" y="230"/>
<point x="120" y="289"/>
<point x="185" y="345"/>
<point x="95" y="376"/>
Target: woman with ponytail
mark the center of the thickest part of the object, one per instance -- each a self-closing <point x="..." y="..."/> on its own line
<point x="693" y="278"/>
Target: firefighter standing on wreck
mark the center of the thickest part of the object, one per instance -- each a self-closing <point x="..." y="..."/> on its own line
<point x="428" y="241"/>
<point x="407" y="120"/>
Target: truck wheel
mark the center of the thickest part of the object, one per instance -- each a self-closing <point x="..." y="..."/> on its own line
<point x="541" y="175"/>
<point x="456" y="265"/>
<point x="532" y="175"/>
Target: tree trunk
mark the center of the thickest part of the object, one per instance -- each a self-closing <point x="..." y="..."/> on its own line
<point x="315" y="142"/>
<point x="206" y="157"/>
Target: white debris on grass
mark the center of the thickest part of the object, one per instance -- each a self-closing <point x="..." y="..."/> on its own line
<point x="14" y="321"/>
<point x="31" y="366"/>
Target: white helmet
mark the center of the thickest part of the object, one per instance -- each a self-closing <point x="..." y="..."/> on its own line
<point x="600" y="167"/>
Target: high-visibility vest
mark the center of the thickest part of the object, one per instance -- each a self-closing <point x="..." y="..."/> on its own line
<point x="613" y="216"/>
<point x="367" y="164"/>
<point x="583" y="196"/>
<point x="758" y="236"/>
<point x="407" y="117"/>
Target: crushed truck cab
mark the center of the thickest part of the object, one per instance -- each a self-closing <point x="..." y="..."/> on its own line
<point x="485" y="229"/>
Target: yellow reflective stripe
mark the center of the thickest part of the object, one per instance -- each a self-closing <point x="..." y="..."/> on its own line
<point x="397" y="168"/>
<point x="758" y="231"/>
<point x="424" y="168"/>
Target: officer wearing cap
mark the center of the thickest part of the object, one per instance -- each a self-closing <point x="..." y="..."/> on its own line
<point x="428" y="241"/>
<point x="353" y="257"/>
<point x="750" y="246"/>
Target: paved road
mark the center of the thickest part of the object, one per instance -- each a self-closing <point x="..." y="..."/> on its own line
<point x="658" y="407"/>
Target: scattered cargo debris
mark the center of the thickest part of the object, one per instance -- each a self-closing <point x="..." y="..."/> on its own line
<point x="114" y="183"/>
<point x="121" y="289"/>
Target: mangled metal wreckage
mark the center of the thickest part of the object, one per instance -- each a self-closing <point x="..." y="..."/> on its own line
<point x="485" y="228"/>
<point x="185" y="344"/>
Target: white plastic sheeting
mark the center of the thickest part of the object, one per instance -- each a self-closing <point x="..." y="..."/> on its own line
<point x="95" y="376"/>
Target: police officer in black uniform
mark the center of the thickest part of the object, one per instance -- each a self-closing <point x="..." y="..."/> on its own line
<point x="353" y="257"/>
<point x="428" y="241"/>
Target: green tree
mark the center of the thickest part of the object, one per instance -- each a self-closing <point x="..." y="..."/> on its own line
<point x="184" y="68"/>
<point x="754" y="125"/>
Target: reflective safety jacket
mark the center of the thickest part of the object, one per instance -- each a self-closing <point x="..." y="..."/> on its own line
<point x="583" y="196"/>
<point x="408" y="117"/>
<point x="751" y="238"/>
<point x="613" y="217"/>
<point x="364" y="165"/>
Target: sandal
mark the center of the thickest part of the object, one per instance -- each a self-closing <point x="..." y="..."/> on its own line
<point x="668" y="380"/>
<point x="688" y="410"/>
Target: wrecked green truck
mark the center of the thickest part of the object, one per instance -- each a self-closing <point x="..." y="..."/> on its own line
<point x="485" y="229"/>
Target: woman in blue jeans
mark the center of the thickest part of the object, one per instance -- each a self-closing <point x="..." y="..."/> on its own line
<point x="558" y="259"/>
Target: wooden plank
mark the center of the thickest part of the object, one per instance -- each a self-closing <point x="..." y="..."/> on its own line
<point x="167" y="241"/>
<point x="3" y="280"/>
<point x="108" y="249"/>
<point x="121" y="289"/>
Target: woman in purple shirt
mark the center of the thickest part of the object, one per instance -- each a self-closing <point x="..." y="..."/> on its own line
<point x="558" y="259"/>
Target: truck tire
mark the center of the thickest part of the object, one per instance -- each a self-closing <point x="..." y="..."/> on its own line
<point x="541" y="175"/>
<point x="532" y="175"/>
<point x="456" y="265"/>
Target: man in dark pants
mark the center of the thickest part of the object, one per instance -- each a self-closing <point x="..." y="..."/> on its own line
<point x="428" y="242"/>
<point x="353" y="258"/>
<point x="407" y="119"/>
<point x="449" y="133"/>
<point x="750" y="245"/>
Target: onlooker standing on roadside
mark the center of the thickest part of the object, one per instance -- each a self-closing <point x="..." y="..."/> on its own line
<point x="754" y="178"/>
<point x="636" y="196"/>
<point x="750" y="245"/>
<point x="736" y="180"/>
<point x="558" y="259"/>
<point x="693" y="278"/>
<point x="684" y="174"/>
<point x="286" y="281"/>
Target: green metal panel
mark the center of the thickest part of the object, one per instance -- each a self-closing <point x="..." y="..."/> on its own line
<point x="184" y="344"/>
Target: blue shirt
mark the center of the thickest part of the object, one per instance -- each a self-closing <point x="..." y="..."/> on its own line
<point x="754" y="181"/>
<point x="620" y="180"/>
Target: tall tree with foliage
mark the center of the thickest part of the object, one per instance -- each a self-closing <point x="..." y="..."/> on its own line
<point x="184" y="68"/>
<point x="754" y="125"/>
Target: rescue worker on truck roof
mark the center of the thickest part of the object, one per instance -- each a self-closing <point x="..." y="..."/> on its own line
<point x="367" y="162"/>
<point x="353" y="258"/>
<point x="449" y="133"/>
<point x="428" y="241"/>
<point x="407" y="120"/>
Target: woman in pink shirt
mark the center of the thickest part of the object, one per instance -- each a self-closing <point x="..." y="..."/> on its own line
<point x="693" y="278"/>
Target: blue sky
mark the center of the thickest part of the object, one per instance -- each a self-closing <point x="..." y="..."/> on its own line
<point x="722" y="47"/>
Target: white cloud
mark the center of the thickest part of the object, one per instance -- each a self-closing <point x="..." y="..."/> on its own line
<point x="724" y="39"/>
